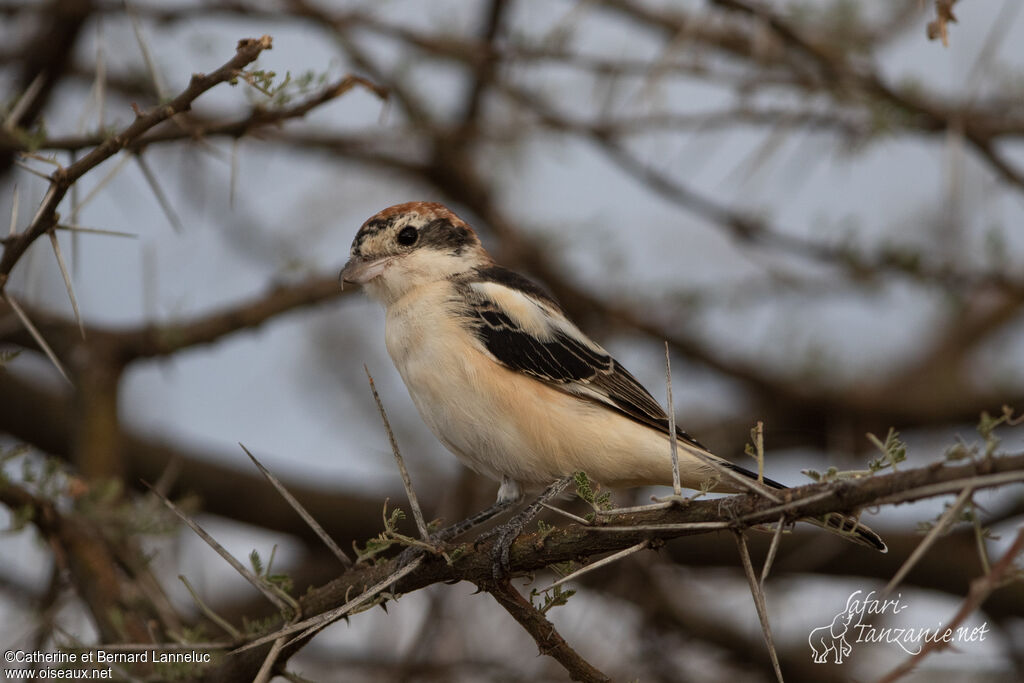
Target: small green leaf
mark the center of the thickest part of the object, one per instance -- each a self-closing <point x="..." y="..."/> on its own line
<point x="813" y="474"/>
<point x="256" y="562"/>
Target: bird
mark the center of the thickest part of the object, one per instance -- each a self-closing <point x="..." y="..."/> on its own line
<point x="510" y="385"/>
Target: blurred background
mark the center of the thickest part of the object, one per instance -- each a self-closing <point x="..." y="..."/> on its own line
<point x="817" y="204"/>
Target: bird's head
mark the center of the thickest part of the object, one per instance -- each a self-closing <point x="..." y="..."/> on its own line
<point x="410" y="245"/>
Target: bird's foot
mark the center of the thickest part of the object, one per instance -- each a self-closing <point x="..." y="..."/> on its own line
<point x="507" y="533"/>
<point x="439" y="540"/>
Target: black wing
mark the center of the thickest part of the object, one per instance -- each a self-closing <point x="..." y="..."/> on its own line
<point x="554" y="351"/>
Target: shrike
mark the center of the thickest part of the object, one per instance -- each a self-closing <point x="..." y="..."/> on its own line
<point x="507" y="382"/>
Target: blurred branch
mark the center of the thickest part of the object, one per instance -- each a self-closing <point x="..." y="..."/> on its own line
<point x="197" y="128"/>
<point x="1002" y="571"/>
<point x="543" y="632"/>
<point x="484" y="75"/>
<point x="750" y="230"/>
<point x="156" y="340"/>
<point x="63" y="178"/>
<point x="113" y="582"/>
<point x="44" y="418"/>
<point x="44" y="59"/>
<point x="839" y="70"/>
<point x="666" y="610"/>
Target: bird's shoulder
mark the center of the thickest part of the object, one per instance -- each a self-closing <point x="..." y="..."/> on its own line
<point x="524" y="329"/>
<point x="511" y="280"/>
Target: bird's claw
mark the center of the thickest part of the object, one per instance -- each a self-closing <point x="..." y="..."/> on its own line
<point x="502" y="566"/>
<point x="506" y="535"/>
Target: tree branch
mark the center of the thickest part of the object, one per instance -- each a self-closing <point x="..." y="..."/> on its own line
<point x="63" y="178"/>
<point x="531" y="553"/>
<point x="549" y="640"/>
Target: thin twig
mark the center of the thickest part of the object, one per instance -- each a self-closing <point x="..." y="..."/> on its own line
<point x="275" y="595"/>
<point x="103" y="182"/>
<point x="95" y="231"/>
<point x="979" y="539"/>
<point x="549" y="641"/>
<point x="265" y="672"/>
<point x="147" y="56"/>
<point x="757" y="436"/>
<point x="36" y="335"/>
<point x="673" y="445"/>
<point x="658" y="505"/>
<point x="161" y="198"/>
<point x="233" y="179"/>
<point x="953" y="486"/>
<point x="14" y="211"/>
<point x="26" y="167"/>
<point x="258" y="118"/>
<point x="566" y="513"/>
<point x="146" y="647"/>
<point x="759" y="602"/>
<point x="772" y="549"/>
<point x="933" y="535"/>
<point x="682" y="526"/>
<point x="788" y="506"/>
<point x="63" y="178"/>
<point x="980" y="589"/>
<point x="414" y="503"/>
<point x="614" y="557"/>
<point x="76" y="246"/>
<point x="236" y="636"/>
<point x="101" y="75"/>
<point x="745" y="483"/>
<point x="24" y="102"/>
<point x="50" y="160"/>
<point x="322" y="620"/>
<point x="297" y="506"/>
<point x="67" y="281"/>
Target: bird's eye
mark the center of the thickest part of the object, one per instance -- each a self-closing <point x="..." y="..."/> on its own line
<point x="408" y="236"/>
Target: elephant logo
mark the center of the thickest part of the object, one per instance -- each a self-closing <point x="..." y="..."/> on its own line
<point x="832" y="638"/>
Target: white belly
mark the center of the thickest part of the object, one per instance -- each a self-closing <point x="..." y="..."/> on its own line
<point x="503" y="423"/>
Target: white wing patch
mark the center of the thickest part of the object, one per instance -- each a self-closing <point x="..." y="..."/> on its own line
<point x="525" y="312"/>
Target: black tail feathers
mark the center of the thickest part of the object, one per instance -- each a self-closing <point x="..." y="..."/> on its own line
<point x="847" y="527"/>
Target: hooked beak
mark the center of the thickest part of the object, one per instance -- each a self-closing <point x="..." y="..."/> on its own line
<point x="357" y="271"/>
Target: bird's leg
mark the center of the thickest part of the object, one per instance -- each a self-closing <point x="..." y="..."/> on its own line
<point x="459" y="528"/>
<point x="508" y="495"/>
<point x="508" y="532"/>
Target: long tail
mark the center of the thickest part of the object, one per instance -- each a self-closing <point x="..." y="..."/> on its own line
<point x="847" y="527"/>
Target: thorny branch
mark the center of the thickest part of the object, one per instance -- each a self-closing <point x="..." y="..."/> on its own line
<point x="165" y="339"/>
<point x="533" y="552"/>
<point x="980" y="590"/>
<point x="549" y="641"/>
<point x="201" y="128"/>
<point x="63" y="178"/>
